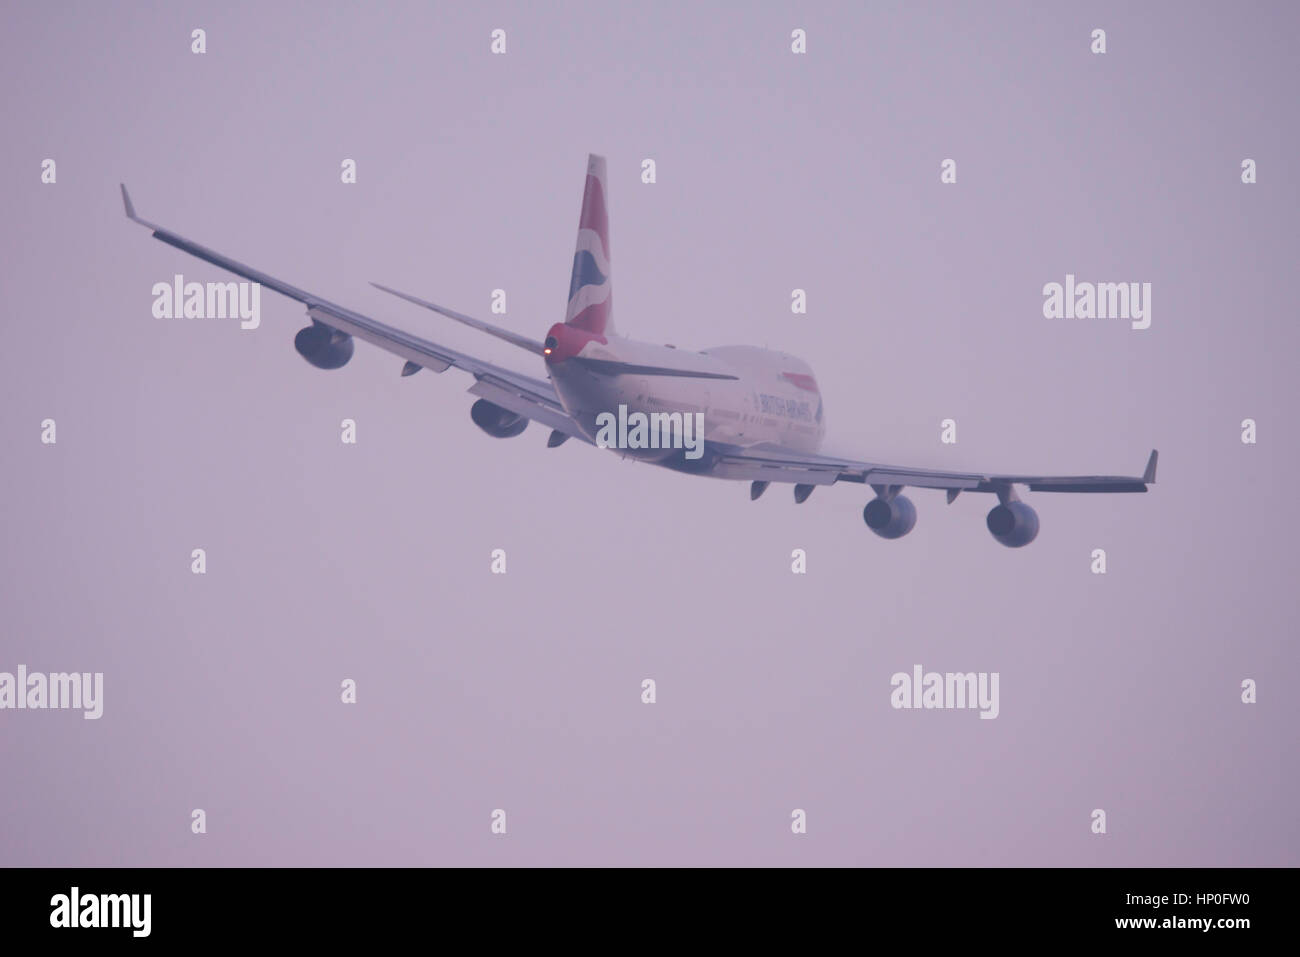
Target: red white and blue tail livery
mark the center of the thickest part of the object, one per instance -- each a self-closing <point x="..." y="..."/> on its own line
<point x="590" y="286"/>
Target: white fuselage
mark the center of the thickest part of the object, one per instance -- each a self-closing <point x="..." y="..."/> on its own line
<point x="772" y="399"/>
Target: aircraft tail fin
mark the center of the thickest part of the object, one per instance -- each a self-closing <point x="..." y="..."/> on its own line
<point x="590" y="284"/>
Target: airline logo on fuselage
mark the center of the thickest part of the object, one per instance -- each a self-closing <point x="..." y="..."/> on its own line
<point x="787" y="408"/>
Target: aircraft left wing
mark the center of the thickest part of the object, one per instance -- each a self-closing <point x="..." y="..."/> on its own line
<point x="770" y="464"/>
<point x="522" y="394"/>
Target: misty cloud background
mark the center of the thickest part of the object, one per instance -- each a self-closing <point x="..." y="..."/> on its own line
<point x="522" y="691"/>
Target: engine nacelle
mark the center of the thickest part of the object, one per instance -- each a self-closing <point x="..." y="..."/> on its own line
<point x="323" y="346"/>
<point x="890" y="518"/>
<point x="1013" y="524"/>
<point x="496" y="421"/>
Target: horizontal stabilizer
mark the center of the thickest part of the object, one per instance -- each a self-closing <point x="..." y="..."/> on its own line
<point x="612" y="367"/>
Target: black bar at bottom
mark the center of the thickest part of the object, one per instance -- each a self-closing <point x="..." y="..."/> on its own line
<point x="335" y="906"/>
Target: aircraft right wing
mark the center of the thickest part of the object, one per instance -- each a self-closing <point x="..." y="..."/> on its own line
<point x="518" y="393"/>
<point x="772" y="464"/>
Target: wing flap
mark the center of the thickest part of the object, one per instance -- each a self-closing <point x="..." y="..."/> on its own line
<point x="424" y="354"/>
<point x="525" y="404"/>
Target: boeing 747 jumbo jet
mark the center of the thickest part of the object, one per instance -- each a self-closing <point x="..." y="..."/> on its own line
<point x="758" y="414"/>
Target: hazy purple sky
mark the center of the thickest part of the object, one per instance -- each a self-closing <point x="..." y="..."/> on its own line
<point x="775" y="171"/>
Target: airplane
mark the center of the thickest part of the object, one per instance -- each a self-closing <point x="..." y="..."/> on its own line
<point x="762" y="410"/>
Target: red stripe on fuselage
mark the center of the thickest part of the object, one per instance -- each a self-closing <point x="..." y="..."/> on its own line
<point x="802" y="380"/>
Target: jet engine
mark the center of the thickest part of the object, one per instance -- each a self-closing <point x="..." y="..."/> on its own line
<point x="496" y="421"/>
<point x="323" y="346"/>
<point x="1013" y="524"/>
<point x="890" y="517"/>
